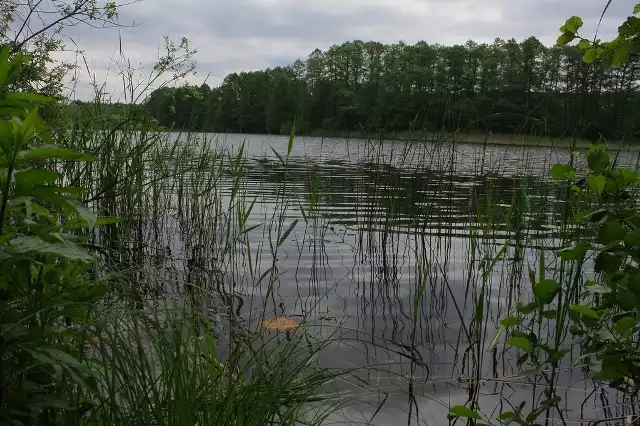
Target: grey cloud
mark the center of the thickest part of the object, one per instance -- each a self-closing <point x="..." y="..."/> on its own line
<point x="252" y="34"/>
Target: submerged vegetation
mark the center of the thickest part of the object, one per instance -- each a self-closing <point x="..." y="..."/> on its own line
<point x="156" y="278"/>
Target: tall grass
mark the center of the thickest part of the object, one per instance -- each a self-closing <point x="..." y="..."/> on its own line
<point x="399" y="262"/>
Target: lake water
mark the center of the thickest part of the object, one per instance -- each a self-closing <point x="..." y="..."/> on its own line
<point x="388" y="257"/>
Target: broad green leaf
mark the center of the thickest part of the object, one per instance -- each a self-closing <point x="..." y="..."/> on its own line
<point x="590" y="55"/>
<point x="33" y="177"/>
<point x="611" y="232"/>
<point x="462" y="411"/>
<point x="531" y="373"/>
<point x="550" y="314"/>
<point x="53" y="152"/>
<point x="565" y="38"/>
<point x="84" y="212"/>
<point x="607" y="262"/>
<point x="4" y="65"/>
<point x="632" y="238"/>
<point x="625" y="324"/>
<point x="562" y="172"/>
<point x="528" y="308"/>
<point x="520" y="342"/>
<point x="572" y="24"/>
<point x="584" y="45"/>
<point x="557" y="356"/>
<point x="29" y="97"/>
<point x="546" y="291"/>
<point x="507" y="415"/>
<point x="621" y="54"/>
<point x="598" y="159"/>
<point x="510" y="321"/>
<point x="597" y="183"/>
<point x="284" y="236"/>
<point x="31" y="244"/>
<point x="585" y="310"/>
<point x="636" y="9"/>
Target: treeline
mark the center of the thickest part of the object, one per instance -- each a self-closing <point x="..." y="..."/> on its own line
<point x="503" y="87"/>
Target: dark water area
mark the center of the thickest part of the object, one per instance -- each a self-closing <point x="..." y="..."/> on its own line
<point x="394" y="246"/>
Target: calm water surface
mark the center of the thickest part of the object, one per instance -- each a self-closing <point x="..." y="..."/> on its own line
<point x="389" y="251"/>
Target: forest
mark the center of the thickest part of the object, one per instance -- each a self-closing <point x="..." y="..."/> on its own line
<point x="502" y="87"/>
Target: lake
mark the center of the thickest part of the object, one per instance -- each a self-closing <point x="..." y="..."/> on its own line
<point x="388" y="249"/>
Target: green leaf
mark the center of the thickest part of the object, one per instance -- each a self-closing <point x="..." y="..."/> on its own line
<point x="611" y="232"/>
<point x="585" y="310"/>
<point x="625" y="324"/>
<point x="68" y="250"/>
<point x="507" y="415"/>
<point x="520" y="342"/>
<point x="563" y="172"/>
<point x="584" y="45"/>
<point x="556" y="356"/>
<point x="546" y="290"/>
<point x="632" y="238"/>
<point x="462" y="411"/>
<point x="597" y="183"/>
<point x="510" y="321"/>
<point x="284" y="236"/>
<point x="565" y="38"/>
<point x="53" y="152"/>
<point x="84" y="212"/>
<point x="572" y="24"/>
<point x="29" y="97"/>
<point x="597" y="159"/>
<point x="606" y="262"/>
<point x="528" y="308"/>
<point x="636" y="9"/>
<point x="531" y="373"/>
<point x="33" y="177"/>
<point x="550" y="314"/>
<point x="621" y="54"/>
<point x="4" y="65"/>
<point x="576" y="252"/>
<point x="590" y="55"/>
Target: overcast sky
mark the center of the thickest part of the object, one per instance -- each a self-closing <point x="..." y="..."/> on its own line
<point x="243" y="35"/>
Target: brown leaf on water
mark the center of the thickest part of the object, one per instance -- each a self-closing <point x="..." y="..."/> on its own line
<point x="281" y="324"/>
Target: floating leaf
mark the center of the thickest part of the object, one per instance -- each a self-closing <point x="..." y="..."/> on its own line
<point x="281" y="324"/>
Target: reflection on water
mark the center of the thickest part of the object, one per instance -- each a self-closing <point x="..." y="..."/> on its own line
<point x="388" y="257"/>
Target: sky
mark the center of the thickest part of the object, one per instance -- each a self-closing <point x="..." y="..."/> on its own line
<point x="244" y="35"/>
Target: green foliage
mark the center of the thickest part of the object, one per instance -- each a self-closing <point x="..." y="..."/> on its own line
<point x="45" y="284"/>
<point x="368" y="87"/>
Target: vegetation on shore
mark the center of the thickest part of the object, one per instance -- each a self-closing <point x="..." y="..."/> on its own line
<point x="124" y="250"/>
<point x="506" y="87"/>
